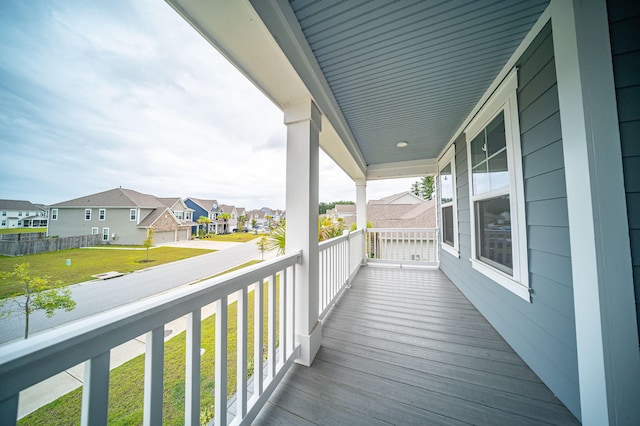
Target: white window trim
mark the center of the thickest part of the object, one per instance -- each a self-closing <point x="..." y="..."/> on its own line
<point x="95" y="230"/>
<point x="105" y="233"/>
<point x="54" y="214"/>
<point x="85" y="214"/>
<point x="449" y="157"/>
<point x="504" y="99"/>
<point x="102" y="214"/>
<point x="135" y="215"/>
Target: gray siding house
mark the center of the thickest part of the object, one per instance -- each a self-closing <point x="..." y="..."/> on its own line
<point x="121" y="216"/>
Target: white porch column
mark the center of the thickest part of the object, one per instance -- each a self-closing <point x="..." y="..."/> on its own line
<point x="303" y="120"/>
<point x="361" y="203"/>
<point x="606" y="331"/>
<point x="361" y="214"/>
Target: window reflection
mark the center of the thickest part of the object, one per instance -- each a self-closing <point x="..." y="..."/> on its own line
<point x="494" y="232"/>
<point x="446" y="184"/>
<point x="447" y="225"/>
<point x="489" y="158"/>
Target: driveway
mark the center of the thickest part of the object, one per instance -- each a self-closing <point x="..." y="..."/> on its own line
<point x="100" y="295"/>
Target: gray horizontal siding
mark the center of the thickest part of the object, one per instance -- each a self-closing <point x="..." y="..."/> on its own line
<point x="543" y="331"/>
<point x="624" y="29"/>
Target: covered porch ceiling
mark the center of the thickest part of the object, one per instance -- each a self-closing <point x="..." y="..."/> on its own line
<point x="381" y="72"/>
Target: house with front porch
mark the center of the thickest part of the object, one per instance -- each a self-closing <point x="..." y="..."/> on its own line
<point x="226" y="219"/>
<point x="527" y="114"/>
<point x="201" y="207"/>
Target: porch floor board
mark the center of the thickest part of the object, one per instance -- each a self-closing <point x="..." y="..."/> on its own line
<point x="404" y="346"/>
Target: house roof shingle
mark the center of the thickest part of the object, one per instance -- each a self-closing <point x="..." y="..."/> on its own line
<point x="19" y="205"/>
<point x="118" y="197"/>
<point x="205" y="204"/>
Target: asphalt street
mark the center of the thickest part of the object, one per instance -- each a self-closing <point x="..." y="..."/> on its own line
<point x="100" y="295"/>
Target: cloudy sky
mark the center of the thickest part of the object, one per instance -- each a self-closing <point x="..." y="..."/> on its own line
<point x="96" y="95"/>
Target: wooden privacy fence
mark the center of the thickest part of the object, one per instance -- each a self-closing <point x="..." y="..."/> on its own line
<point x="18" y="248"/>
<point x="26" y="236"/>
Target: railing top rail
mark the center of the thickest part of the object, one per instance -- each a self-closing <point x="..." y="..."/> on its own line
<point x="400" y="229"/>
<point x="24" y="363"/>
<point x="322" y="245"/>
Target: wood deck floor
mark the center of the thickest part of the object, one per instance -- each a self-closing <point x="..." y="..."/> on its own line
<point x="403" y="347"/>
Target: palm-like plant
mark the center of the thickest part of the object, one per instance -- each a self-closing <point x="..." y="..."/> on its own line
<point x="202" y="220"/>
<point x="277" y="240"/>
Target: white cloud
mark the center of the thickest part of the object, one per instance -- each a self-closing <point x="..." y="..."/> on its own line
<point x="96" y="95"/>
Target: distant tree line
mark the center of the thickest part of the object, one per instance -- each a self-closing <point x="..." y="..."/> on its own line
<point x="328" y="206"/>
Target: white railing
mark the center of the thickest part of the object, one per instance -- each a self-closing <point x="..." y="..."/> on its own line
<point x="340" y="259"/>
<point x="403" y="246"/>
<point x="25" y="363"/>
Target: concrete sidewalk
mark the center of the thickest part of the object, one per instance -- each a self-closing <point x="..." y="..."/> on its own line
<point x="56" y="386"/>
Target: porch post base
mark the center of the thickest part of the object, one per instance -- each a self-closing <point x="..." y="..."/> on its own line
<point x="309" y="345"/>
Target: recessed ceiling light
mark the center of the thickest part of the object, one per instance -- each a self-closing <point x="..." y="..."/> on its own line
<point x="402" y="144"/>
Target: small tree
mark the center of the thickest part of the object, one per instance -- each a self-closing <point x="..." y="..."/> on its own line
<point x="148" y="242"/>
<point x="263" y="245"/>
<point x="37" y="296"/>
<point x="254" y="222"/>
<point x="423" y="188"/>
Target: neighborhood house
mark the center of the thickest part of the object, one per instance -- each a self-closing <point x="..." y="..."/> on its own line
<point x="122" y="216"/>
<point x="22" y="214"/>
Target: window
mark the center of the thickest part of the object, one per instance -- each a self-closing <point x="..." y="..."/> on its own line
<point x="54" y="214"/>
<point x="105" y="234"/>
<point x="178" y="214"/>
<point x="87" y="214"/>
<point x="94" y="231"/>
<point x="132" y="214"/>
<point x="498" y="229"/>
<point x="102" y="214"/>
<point x="4" y="223"/>
<point x="19" y="213"/>
<point x="4" y="214"/>
<point x="448" y="201"/>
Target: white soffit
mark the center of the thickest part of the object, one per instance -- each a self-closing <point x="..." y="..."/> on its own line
<point x="402" y="169"/>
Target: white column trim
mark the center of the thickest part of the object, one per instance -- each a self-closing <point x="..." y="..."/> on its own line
<point x="361" y="213"/>
<point x="606" y="330"/>
<point x="304" y="122"/>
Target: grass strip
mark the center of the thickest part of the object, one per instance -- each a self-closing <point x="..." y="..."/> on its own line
<point x="21" y="230"/>
<point x="236" y="237"/>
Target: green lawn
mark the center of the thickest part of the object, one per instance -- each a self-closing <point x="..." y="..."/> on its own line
<point x="236" y="237"/>
<point x="21" y="230"/>
<point x="88" y="262"/>
<point x="126" y="382"/>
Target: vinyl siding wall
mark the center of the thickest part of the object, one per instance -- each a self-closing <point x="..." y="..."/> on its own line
<point x="71" y="222"/>
<point x="543" y="331"/>
<point x="624" y="29"/>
